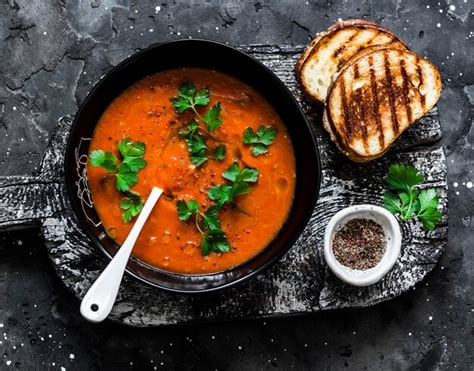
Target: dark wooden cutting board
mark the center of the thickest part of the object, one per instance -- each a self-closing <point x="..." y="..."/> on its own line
<point x="299" y="283"/>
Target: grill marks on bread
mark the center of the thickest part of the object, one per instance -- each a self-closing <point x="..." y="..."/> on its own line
<point x="375" y="103"/>
<point x="376" y="96"/>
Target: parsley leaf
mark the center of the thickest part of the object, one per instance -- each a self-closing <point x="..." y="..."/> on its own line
<point x="430" y="218"/>
<point x="196" y="143"/>
<point x="128" y="148"/>
<point x="188" y="97"/>
<point x="405" y="200"/>
<point x="131" y="205"/>
<point x="403" y="177"/>
<point x="125" y="172"/>
<point x="213" y="238"/>
<point x="124" y="180"/>
<point x="197" y="147"/>
<point x="212" y="117"/>
<point x="392" y="203"/>
<point x="106" y="160"/>
<point x="211" y="219"/>
<point x="260" y="140"/>
<point x="225" y="193"/>
<point x="215" y="241"/>
<point x="222" y="194"/>
<point x="428" y="199"/>
<point x="247" y="174"/>
<point x="428" y="213"/>
<point x="202" y="97"/>
<point x="220" y="152"/>
<point x="186" y="209"/>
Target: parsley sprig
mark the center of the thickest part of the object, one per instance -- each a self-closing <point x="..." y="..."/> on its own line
<point x="406" y="200"/>
<point x="199" y="152"/>
<point x="239" y="184"/>
<point x="261" y="139"/>
<point x="131" y="205"/>
<point x="200" y="127"/>
<point x="125" y="172"/>
<point x="213" y="239"/>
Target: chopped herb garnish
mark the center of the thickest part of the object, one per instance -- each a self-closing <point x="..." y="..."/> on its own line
<point x="131" y="205"/>
<point x="199" y="128"/>
<point x="226" y="193"/>
<point x="405" y="200"/>
<point x="125" y="172"/>
<point x="219" y="152"/>
<point x="188" y="97"/>
<point x="260" y="140"/>
<point x="213" y="239"/>
<point x="197" y="147"/>
<point x="212" y="117"/>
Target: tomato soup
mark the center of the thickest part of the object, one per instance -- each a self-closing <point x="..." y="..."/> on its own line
<point x="144" y="113"/>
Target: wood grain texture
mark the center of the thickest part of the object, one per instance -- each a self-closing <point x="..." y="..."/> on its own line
<point x="299" y="283"/>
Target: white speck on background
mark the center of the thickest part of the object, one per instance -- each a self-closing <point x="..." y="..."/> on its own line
<point x="9" y="363"/>
<point x="150" y="30"/>
<point x="240" y="348"/>
<point x="469" y="184"/>
<point x="441" y="10"/>
<point x="438" y="25"/>
<point x="452" y="7"/>
<point x="1" y="325"/>
<point x="409" y="334"/>
<point x="427" y="7"/>
<point x="157" y="8"/>
<point x="71" y="356"/>
<point x="14" y="108"/>
<point x="45" y="33"/>
<point x="63" y="369"/>
<point x="430" y="318"/>
<point x="455" y="184"/>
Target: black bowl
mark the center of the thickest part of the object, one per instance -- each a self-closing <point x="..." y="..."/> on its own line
<point x="212" y="55"/>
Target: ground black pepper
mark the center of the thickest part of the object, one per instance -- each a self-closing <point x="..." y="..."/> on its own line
<point x="359" y="244"/>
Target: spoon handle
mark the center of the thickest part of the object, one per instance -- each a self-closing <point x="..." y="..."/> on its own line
<point x="99" y="300"/>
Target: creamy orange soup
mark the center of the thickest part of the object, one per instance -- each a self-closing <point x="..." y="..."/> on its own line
<point x="144" y="113"/>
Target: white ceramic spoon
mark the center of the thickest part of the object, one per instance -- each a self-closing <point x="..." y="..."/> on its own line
<point x="99" y="300"/>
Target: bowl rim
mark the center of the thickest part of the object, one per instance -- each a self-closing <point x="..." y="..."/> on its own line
<point x="372" y="275"/>
<point x="292" y="100"/>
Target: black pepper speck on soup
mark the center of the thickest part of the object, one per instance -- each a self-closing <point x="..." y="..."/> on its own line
<point x="359" y="244"/>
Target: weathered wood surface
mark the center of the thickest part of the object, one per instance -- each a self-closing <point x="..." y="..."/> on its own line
<point x="298" y="283"/>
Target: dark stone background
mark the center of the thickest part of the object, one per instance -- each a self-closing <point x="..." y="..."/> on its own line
<point x="52" y="52"/>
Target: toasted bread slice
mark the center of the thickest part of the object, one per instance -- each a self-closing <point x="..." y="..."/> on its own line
<point x="334" y="49"/>
<point x="376" y="96"/>
<point x="335" y="26"/>
<point x="307" y="52"/>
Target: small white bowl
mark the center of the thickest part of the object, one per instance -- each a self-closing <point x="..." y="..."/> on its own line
<point x="394" y="240"/>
